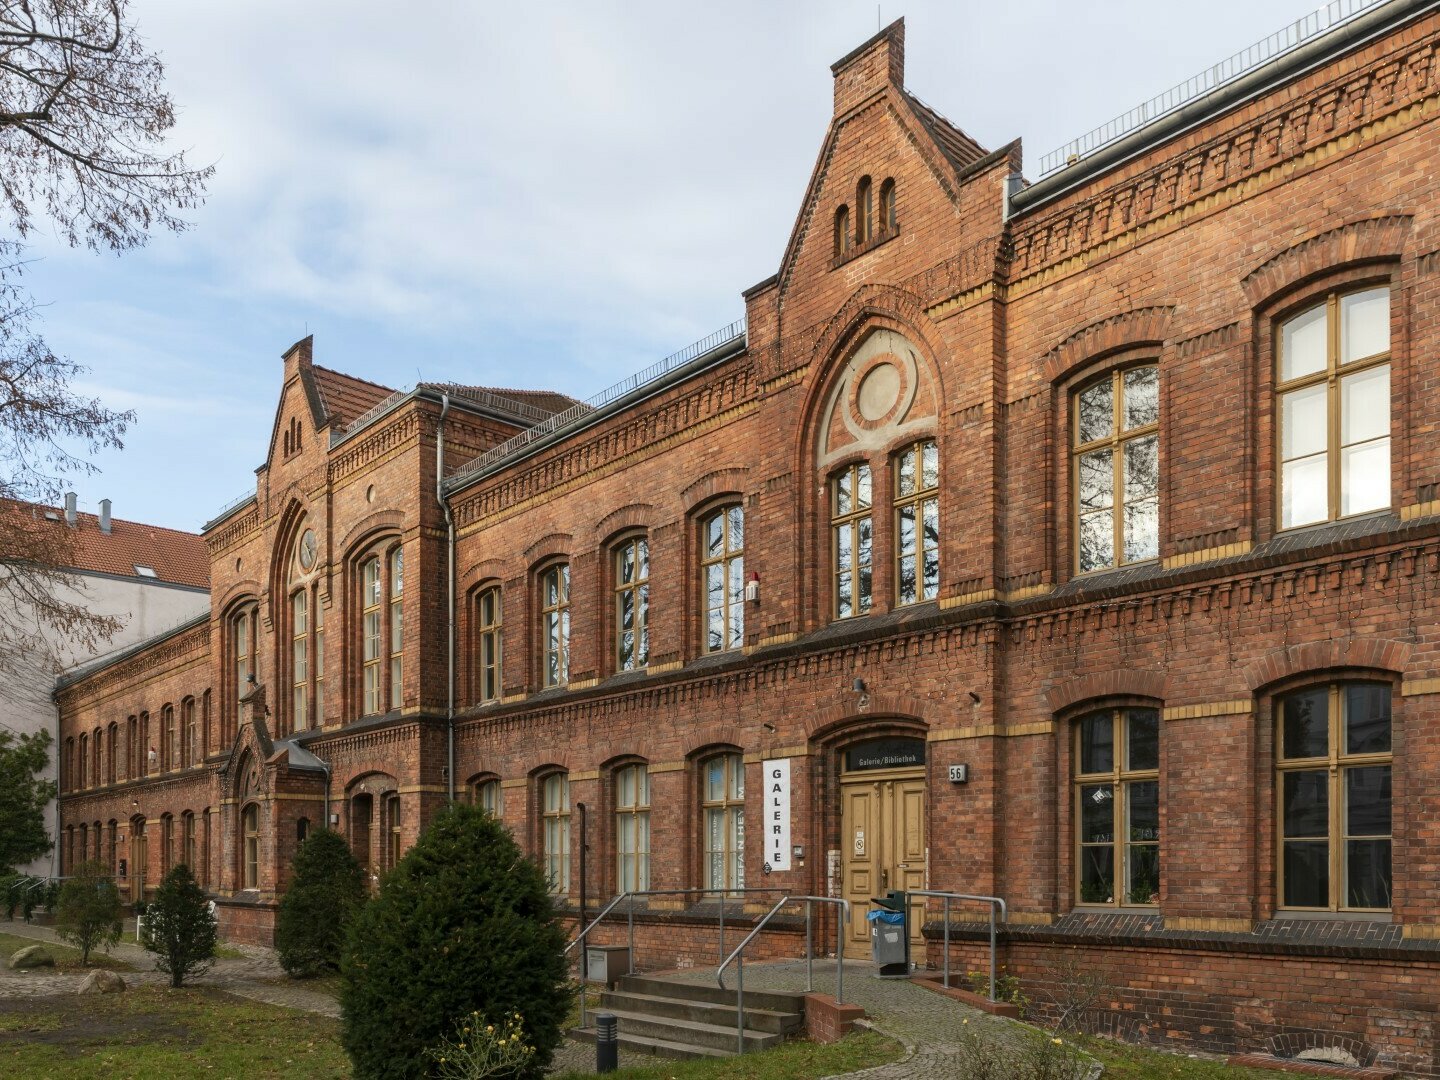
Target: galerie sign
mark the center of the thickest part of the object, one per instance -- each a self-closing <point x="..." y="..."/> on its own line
<point x="777" y="814"/>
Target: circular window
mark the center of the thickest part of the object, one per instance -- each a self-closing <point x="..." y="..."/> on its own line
<point x="370" y="494"/>
<point x="308" y="549"/>
<point x="237" y="566"/>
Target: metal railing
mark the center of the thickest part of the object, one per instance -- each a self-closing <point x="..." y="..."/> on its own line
<point x="995" y="904"/>
<point x="1228" y="70"/>
<point x="739" y="954"/>
<point x="555" y="422"/>
<point x="230" y="507"/>
<point x="723" y="894"/>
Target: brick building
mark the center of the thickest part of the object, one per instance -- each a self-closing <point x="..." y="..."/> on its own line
<point x="1117" y="488"/>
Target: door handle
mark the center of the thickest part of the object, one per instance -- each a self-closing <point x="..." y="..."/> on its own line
<point x="884" y="877"/>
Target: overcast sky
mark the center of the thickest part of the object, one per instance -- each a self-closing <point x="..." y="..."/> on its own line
<point x="538" y="194"/>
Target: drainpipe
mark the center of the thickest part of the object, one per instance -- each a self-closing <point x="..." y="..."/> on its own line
<point x="449" y="594"/>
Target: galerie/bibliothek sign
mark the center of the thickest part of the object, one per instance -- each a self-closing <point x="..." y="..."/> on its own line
<point x="777" y="814"/>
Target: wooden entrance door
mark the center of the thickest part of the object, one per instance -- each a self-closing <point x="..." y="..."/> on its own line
<point x="882" y="838"/>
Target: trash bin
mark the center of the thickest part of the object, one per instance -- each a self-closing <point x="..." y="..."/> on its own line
<point x="887" y="936"/>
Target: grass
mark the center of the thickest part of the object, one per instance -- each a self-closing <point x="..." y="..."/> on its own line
<point x="66" y="957"/>
<point x="1125" y="1062"/>
<point x="795" y="1060"/>
<point x="155" y="1033"/>
<point x="224" y="952"/>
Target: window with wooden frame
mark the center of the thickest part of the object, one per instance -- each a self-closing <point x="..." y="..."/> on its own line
<point x="1116" y="472"/>
<point x="187" y="840"/>
<point x="167" y="843"/>
<point x="555" y="829"/>
<point x="132" y="748"/>
<point x="842" y="231"/>
<point x="887" y="206"/>
<point x="204" y="724"/>
<point x="149" y="760"/>
<point x="169" y="739"/>
<point x="1332" y="389"/>
<point x="84" y="761"/>
<point x="189" y="734"/>
<point x="250" y="847"/>
<point x="1117" y="807"/>
<point x="864" y="211"/>
<point x="317" y="662"/>
<point x="917" y="523"/>
<point x="632" y="828"/>
<point x="393" y="824"/>
<point x="486" y="794"/>
<point x="722" y="812"/>
<point x="722" y="567"/>
<point x="852" y="531"/>
<point x="489" y="620"/>
<point x="1333" y="765"/>
<point x="555" y="625"/>
<point x="632" y="604"/>
<point x="242" y="656"/>
<point x="113" y="735"/>
<point x="381" y="631"/>
<point x="300" y="659"/>
<point x="97" y="745"/>
<point x="397" y="628"/>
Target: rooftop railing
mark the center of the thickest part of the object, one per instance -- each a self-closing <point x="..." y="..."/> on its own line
<point x="1285" y="40"/>
<point x="229" y="508"/>
<point x="724" y="336"/>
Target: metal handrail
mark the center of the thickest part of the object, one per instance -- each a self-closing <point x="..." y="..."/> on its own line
<point x="630" y="920"/>
<point x="994" y="902"/>
<point x="739" y="954"/>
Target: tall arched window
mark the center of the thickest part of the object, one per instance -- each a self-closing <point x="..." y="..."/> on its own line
<point x="1117" y="469"/>
<point x="486" y="795"/>
<point x="397" y="628"/>
<point x="917" y="523"/>
<point x="382" y="588"/>
<point x="555" y="818"/>
<point x="887" y="206"/>
<point x="189" y="734"/>
<point x="722" y="806"/>
<point x="723" y="568"/>
<point x="242" y="662"/>
<point x="250" y="850"/>
<point x="555" y="625"/>
<point x="1117" y="807"/>
<point x="132" y="748"/>
<point x="317" y="664"/>
<point x="305" y="659"/>
<point x="97" y="747"/>
<point x="864" y="211"/>
<point x="113" y="734"/>
<point x="371" y="617"/>
<point x="205" y="736"/>
<point x="300" y="659"/>
<point x="169" y="739"/>
<point x="393" y="823"/>
<point x="84" y="761"/>
<point x="842" y="231"/>
<point x="187" y="840"/>
<point x="488" y="620"/>
<point x="632" y="604"/>
<point x="632" y="829"/>
<point x="167" y="843"/>
<point x="853" y="532"/>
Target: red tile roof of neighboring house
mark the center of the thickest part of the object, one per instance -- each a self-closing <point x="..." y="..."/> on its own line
<point x="178" y="558"/>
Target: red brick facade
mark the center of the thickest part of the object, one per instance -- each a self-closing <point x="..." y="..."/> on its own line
<point x="956" y="322"/>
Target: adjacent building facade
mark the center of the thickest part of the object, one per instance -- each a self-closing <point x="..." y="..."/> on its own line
<point x="1074" y="542"/>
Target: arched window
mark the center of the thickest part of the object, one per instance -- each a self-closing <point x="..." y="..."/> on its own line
<point x="397" y="628"/>
<point x="555" y="625"/>
<point x="842" y="231"/>
<point x="1117" y="469"/>
<point x="167" y="843"/>
<point x="722" y="811"/>
<point x="300" y="659"/>
<point x="1332" y="782"/>
<point x="302" y="830"/>
<point x="382" y="588"/>
<point x="632" y="604"/>
<point x="84" y="761"/>
<point x="1117" y="807"/>
<point x="189" y="734"/>
<point x="371" y="617"/>
<point x="887" y="206"/>
<point x="917" y="523"/>
<point x="112" y="837"/>
<point x="187" y="840"/>
<point x="486" y="795"/>
<point x="83" y="852"/>
<point x="393" y="824"/>
<point x="1333" y="386"/>
<point x="317" y="664"/>
<point x="305" y="662"/>
<point x="555" y="823"/>
<point x="169" y="739"/>
<point x="853" y="531"/>
<point x="132" y="748"/>
<point x="250" y="850"/>
<point x="97" y="747"/>
<point x="488" y="619"/>
<point x="204" y="747"/>
<point x="632" y="829"/>
<point x="113" y="735"/>
<point x="242" y="662"/>
<point x="722" y="535"/>
<point x="864" y="211"/>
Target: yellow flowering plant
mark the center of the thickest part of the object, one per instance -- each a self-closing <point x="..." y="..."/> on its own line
<point x="484" y="1050"/>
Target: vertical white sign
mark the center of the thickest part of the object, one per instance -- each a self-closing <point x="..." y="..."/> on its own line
<point x="777" y="814"/>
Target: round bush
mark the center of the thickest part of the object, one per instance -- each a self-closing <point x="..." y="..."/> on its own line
<point x="464" y="924"/>
<point x="326" y="889"/>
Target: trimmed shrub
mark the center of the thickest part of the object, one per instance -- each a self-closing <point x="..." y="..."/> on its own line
<point x="182" y="932"/>
<point x="463" y="925"/>
<point x="87" y="912"/>
<point x="326" y="889"/>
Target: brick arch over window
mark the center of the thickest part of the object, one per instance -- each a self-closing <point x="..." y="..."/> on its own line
<point x="549" y="546"/>
<point x="719" y="482"/>
<point x="370" y="527"/>
<point x="632" y="516"/>
<point x="868" y="306"/>
<point x="847" y="714"/>
<point x="1373" y="653"/>
<point x="1143" y="326"/>
<point x="1105" y="684"/>
<point x="486" y="571"/>
<point x="1374" y="239"/>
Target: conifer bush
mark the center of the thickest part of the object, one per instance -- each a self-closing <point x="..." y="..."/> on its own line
<point x="326" y="889"/>
<point x="87" y="913"/>
<point x="182" y="932"/>
<point x="464" y="924"/>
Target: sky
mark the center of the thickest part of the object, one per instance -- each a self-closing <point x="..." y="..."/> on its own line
<point x="529" y="195"/>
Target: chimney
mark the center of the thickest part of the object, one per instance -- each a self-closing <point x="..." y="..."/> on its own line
<point x="104" y="515"/>
<point x="874" y="65"/>
<point x="70" y="498"/>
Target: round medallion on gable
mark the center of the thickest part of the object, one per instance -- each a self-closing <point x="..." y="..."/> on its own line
<point x="309" y="548"/>
<point x="878" y="392"/>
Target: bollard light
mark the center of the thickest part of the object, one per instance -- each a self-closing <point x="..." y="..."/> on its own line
<point x="607" y="1042"/>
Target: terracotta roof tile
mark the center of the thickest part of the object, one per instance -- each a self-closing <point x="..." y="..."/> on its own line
<point x="178" y="558"/>
<point x="344" y="396"/>
<point x="959" y="149"/>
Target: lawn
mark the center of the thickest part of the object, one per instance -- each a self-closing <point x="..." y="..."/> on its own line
<point x="155" y="1033"/>
<point x="1124" y="1062"/>
<point x="66" y="958"/>
<point x="794" y="1060"/>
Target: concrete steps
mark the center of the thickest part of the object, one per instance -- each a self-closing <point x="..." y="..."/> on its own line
<point x="690" y="1020"/>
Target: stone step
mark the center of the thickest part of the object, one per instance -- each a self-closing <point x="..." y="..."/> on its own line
<point x="691" y="1032"/>
<point x="639" y="1044"/>
<point x="705" y="1012"/>
<point x="773" y="1000"/>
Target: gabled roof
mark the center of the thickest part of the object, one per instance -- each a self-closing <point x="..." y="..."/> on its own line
<point x="175" y="557"/>
<point x="959" y="149"/>
<point x="552" y="401"/>
<point x="344" y="397"/>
